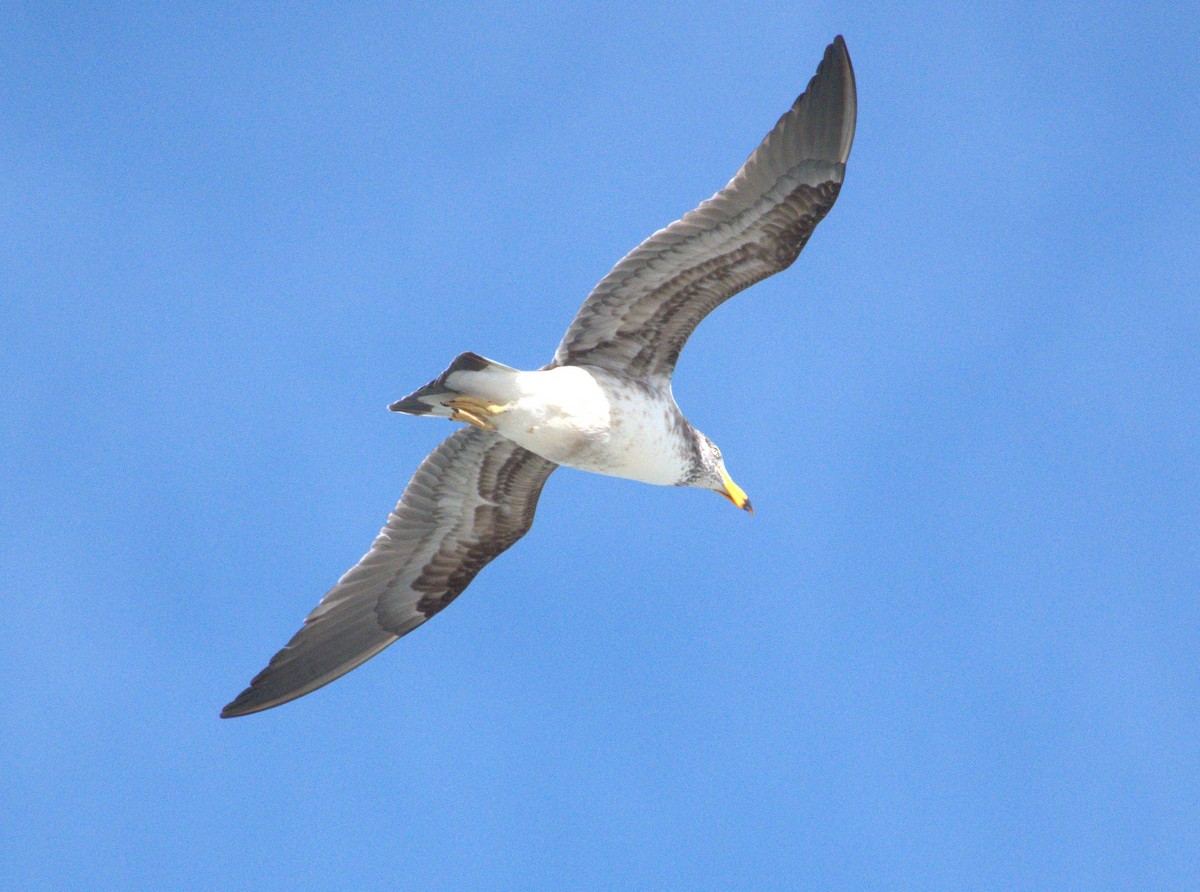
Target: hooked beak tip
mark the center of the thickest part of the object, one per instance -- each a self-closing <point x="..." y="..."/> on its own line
<point x="735" y="494"/>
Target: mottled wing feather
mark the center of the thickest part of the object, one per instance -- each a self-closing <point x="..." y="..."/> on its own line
<point x="640" y="315"/>
<point x="472" y="497"/>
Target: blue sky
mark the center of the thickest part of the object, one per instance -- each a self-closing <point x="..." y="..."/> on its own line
<point x="955" y="648"/>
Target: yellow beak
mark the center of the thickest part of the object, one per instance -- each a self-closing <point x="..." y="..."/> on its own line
<point x="735" y="493"/>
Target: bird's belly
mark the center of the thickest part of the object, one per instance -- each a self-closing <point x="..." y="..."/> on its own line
<point x="634" y="452"/>
<point x="594" y="428"/>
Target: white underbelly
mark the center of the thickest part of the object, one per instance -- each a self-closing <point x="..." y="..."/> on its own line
<point x="580" y="420"/>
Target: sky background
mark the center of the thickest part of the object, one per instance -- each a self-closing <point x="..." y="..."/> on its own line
<point x="955" y="648"/>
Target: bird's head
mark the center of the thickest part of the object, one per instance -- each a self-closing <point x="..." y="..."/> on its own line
<point x="714" y="476"/>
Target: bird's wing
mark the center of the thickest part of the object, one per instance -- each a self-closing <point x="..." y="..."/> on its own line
<point x="639" y="316"/>
<point x="473" y="497"/>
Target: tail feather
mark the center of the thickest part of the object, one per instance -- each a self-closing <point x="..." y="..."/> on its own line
<point x="429" y="399"/>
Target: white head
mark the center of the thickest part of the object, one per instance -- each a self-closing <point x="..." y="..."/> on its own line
<point x="711" y="474"/>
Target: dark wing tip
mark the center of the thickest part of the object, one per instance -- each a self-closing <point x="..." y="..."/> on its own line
<point x="296" y="671"/>
<point x="243" y="704"/>
<point x="829" y="106"/>
<point x="259" y="696"/>
<point x="257" y="699"/>
<point x="235" y="708"/>
<point x="252" y="700"/>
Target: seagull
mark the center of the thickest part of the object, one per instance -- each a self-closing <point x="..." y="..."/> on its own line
<point x="603" y="404"/>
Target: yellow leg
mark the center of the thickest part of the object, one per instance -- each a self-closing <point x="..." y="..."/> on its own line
<point x="471" y="418"/>
<point x="473" y="411"/>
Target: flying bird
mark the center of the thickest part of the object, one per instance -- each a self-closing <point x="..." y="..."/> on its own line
<point x="603" y="403"/>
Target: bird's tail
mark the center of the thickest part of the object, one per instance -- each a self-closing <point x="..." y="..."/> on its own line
<point x="431" y="399"/>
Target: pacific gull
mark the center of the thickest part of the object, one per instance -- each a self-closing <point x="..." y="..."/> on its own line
<point x="603" y="404"/>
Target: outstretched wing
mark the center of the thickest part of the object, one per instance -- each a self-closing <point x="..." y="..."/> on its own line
<point x="639" y="316"/>
<point x="472" y="497"/>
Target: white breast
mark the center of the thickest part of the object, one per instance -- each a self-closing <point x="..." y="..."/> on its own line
<point x="588" y="419"/>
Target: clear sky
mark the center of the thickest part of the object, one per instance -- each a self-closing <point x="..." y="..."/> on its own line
<point x="955" y="648"/>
